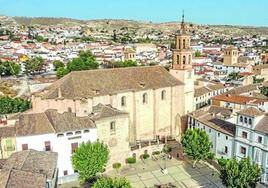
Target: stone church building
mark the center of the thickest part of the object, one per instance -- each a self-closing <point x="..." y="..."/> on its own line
<point x="121" y="107"/>
<point x="154" y="98"/>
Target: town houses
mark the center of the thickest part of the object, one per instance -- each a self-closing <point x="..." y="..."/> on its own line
<point x="218" y="85"/>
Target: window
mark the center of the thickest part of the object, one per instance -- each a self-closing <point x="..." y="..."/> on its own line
<point x="226" y="149"/>
<point x="209" y="130"/>
<point x="245" y="120"/>
<point x="178" y="59"/>
<point x="243" y="150"/>
<point x="86" y="131"/>
<point x="250" y="121"/>
<point x="60" y="135"/>
<point x="65" y="172"/>
<point x="74" y="147"/>
<point x="259" y="139"/>
<point x="24" y="146"/>
<point x="244" y="135"/>
<point x="112" y="127"/>
<point x="123" y="101"/>
<point x="184" y="43"/>
<point x="47" y="146"/>
<point x="77" y="132"/>
<point x="241" y="119"/>
<point x="163" y="95"/>
<point x="184" y="59"/>
<point x="69" y="109"/>
<point x="144" y="98"/>
<point x="189" y="59"/>
<point x="69" y="134"/>
<point x="226" y="137"/>
<point x="219" y="134"/>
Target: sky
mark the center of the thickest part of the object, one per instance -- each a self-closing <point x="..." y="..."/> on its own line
<point x="229" y="12"/>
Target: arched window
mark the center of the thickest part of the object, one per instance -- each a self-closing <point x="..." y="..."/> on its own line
<point x="250" y="121"/>
<point x="245" y="120"/>
<point x="178" y="59"/>
<point x="184" y="43"/>
<point x="69" y="109"/>
<point x="189" y="59"/>
<point x="163" y="95"/>
<point x="241" y="119"/>
<point x="184" y="60"/>
<point x="144" y="98"/>
<point x="123" y="101"/>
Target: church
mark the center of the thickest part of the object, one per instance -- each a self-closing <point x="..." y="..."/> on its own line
<point x="122" y="107"/>
<point x="154" y="98"/>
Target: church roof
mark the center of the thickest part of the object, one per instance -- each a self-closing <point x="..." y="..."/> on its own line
<point x="91" y="83"/>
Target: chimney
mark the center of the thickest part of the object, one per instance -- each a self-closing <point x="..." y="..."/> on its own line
<point x="59" y="93"/>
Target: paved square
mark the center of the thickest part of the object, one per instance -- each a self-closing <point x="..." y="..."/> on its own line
<point x="180" y="173"/>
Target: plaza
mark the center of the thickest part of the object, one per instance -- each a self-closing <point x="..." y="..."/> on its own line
<point x="180" y="174"/>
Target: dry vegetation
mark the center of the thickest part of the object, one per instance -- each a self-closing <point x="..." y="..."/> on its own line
<point x="6" y="88"/>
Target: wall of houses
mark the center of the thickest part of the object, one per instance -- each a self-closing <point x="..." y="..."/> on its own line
<point x="115" y="137"/>
<point x="222" y="144"/>
<point x="148" y="117"/>
<point x="61" y="143"/>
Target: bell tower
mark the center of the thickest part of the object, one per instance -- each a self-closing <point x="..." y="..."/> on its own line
<point x="182" y="67"/>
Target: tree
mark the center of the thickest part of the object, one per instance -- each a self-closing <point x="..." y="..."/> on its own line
<point x="234" y="76"/>
<point x="196" y="145"/>
<point x="9" y="105"/>
<point x="264" y="91"/>
<point x="58" y="64"/>
<point x="108" y="182"/>
<point x="90" y="159"/>
<point x="9" y="68"/>
<point x="39" y="38"/>
<point x="197" y="54"/>
<point x="85" y="61"/>
<point x="33" y="65"/>
<point x="239" y="174"/>
<point x="62" y="72"/>
<point x="127" y="63"/>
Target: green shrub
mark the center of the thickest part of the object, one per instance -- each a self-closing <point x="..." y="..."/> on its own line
<point x="211" y="156"/>
<point x="167" y="149"/>
<point x="117" y="166"/>
<point x="131" y="160"/>
<point x="145" y="156"/>
<point x="156" y="152"/>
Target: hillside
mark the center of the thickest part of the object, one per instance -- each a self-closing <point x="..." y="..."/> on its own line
<point x="141" y="26"/>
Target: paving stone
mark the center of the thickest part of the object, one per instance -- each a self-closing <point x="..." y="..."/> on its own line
<point x="145" y="175"/>
<point x="165" y="179"/>
<point x="151" y="182"/>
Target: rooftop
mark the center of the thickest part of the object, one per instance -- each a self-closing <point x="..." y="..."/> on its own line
<point x="91" y="83"/>
<point x="251" y="111"/>
<point x="51" y="122"/>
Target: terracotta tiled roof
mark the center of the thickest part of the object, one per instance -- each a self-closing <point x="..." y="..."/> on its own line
<point x="41" y="162"/>
<point x="251" y="111"/>
<point x="262" y="126"/>
<point x="243" y="89"/>
<point x="207" y="89"/>
<point x="211" y="117"/>
<point x="51" y="122"/>
<point x="12" y="178"/>
<point x="238" y="99"/>
<point x="87" y="84"/>
<point x="101" y="111"/>
<point x="7" y="131"/>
